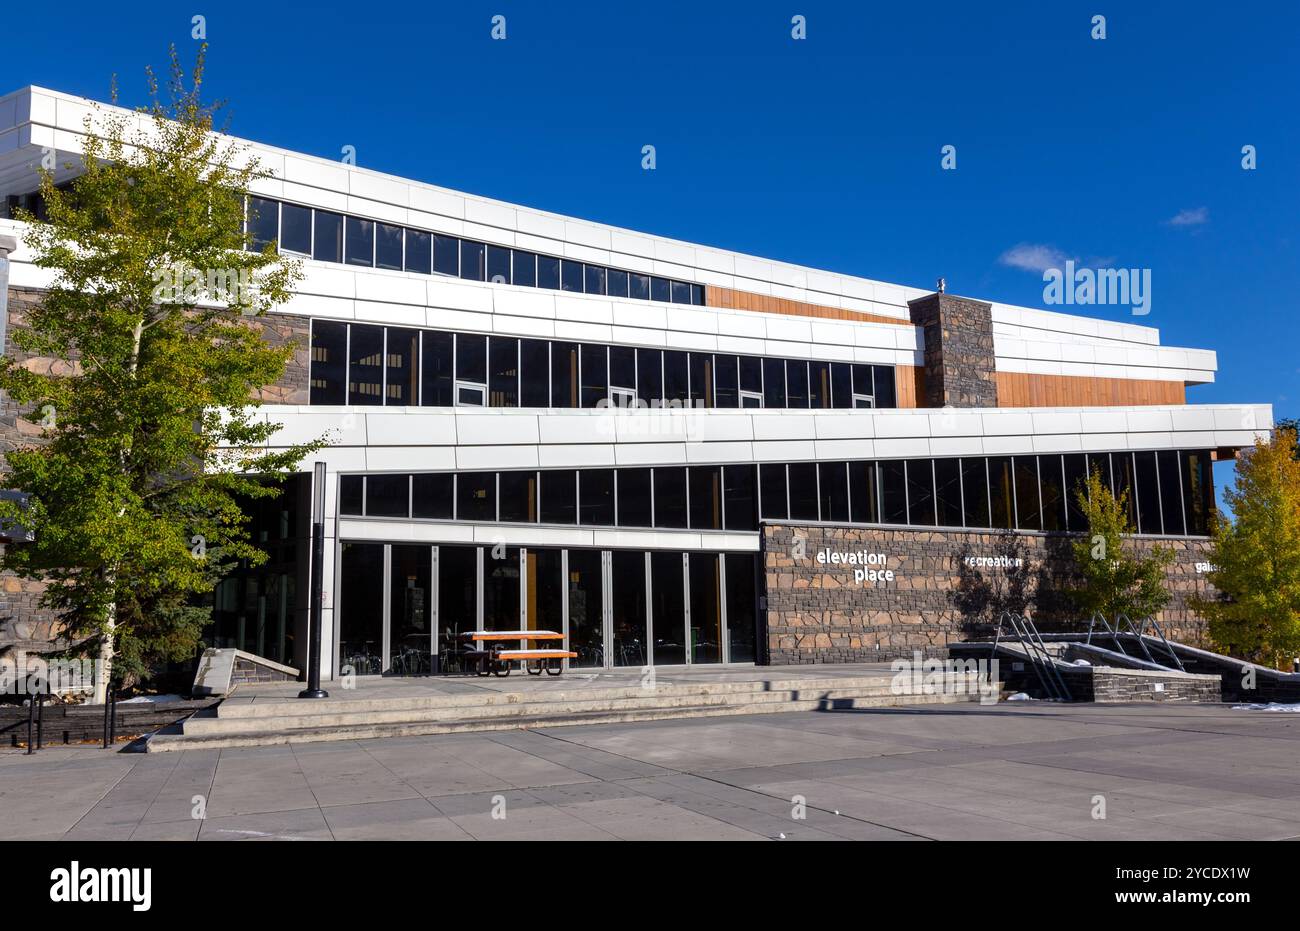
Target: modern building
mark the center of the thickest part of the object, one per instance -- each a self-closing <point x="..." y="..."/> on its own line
<point x="673" y="453"/>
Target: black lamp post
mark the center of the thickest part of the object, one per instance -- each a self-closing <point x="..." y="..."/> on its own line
<point x="313" y="689"/>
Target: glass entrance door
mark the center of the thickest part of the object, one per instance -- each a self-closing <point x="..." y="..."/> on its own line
<point x="629" y="618"/>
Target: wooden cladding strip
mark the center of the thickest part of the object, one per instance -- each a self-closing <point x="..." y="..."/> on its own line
<point x="766" y="304"/>
<point x="1021" y="389"/>
<point x="909" y="382"/>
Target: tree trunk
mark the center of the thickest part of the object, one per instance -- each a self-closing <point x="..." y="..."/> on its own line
<point x="104" y="669"/>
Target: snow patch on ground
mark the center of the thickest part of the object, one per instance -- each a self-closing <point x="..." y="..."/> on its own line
<point x="1271" y="706"/>
<point x="150" y="698"/>
<point x="1019" y="696"/>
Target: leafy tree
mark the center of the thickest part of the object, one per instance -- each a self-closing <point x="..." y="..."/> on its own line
<point x="150" y="428"/>
<point x="1256" y="556"/>
<point x="1292" y="424"/>
<point x="1116" y="580"/>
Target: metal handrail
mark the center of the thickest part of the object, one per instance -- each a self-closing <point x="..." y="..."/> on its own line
<point x="1150" y="620"/>
<point x="1031" y="642"/>
<point x="1137" y="634"/>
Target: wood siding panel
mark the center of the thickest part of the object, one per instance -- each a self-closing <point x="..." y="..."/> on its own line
<point x="1020" y="389"/>
<point x="764" y="303"/>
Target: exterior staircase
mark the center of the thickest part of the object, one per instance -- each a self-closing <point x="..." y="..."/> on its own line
<point x="263" y="723"/>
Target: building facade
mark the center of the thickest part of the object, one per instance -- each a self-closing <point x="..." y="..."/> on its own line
<point x="672" y="453"/>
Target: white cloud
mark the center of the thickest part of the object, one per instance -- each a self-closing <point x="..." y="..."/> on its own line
<point x="1033" y="257"/>
<point x="1194" y="216"/>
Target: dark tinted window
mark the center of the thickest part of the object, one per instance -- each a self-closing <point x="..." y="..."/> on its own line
<point x="1198" y="490"/>
<point x="864" y="493"/>
<point x="774" y="383"/>
<point x="772" y="498"/>
<point x="676" y="383"/>
<point x="697" y="294"/>
<point x="751" y="374"/>
<point x="329" y="362"/>
<point x="295" y="229"/>
<point x="893" y="492"/>
<point x="351" y="494"/>
<point x="660" y="289"/>
<point x="418" y="256"/>
<point x="725" y="381"/>
<point x="534" y="373"/>
<point x="1053" y="491"/>
<point x="975" y="493"/>
<point x="498" y="264"/>
<point x="920" y="492"/>
<point x="634" y="498"/>
<point x="649" y="375"/>
<point x="476" y="496"/>
<point x="841" y="384"/>
<point x="366" y="371"/>
<point x="403" y="386"/>
<point x="518" y="492"/>
<point x="670" y="497"/>
<point x="388" y="495"/>
<point x="431" y="495"/>
<point x="803" y="490"/>
<point x="681" y="292"/>
<point x="503" y="374"/>
<point x="639" y="286"/>
<point x="1122" y="478"/>
<point x="548" y="272"/>
<point x="446" y="255"/>
<point x="834" y="488"/>
<point x="596" y="497"/>
<point x="571" y="276"/>
<point x="706" y="497"/>
<point x="1148" y="494"/>
<point x="947" y="491"/>
<point x="594" y="279"/>
<point x="564" y="374"/>
<point x="328" y="244"/>
<point x="883" y="379"/>
<point x="1001" y="493"/>
<point x="559" y="496"/>
<point x="796" y="384"/>
<point x="263" y="222"/>
<point x="1076" y="472"/>
<point x="701" y="366"/>
<point x="1029" y="515"/>
<point x="1171" y="497"/>
<point x="862" y="381"/>
<point x="819" y="385"/>
<point x="622" y="366"/>
<point x="435" y="368"/>
<point x="595" y="375"/>
<point x="738" y="497"/>
<point x="471" y="357"/>
<point x="525" y="269"/>
<point x="360" y="242"/>
<point x="388" y="247"/>
<point x="617" y="283"/>
<point x="473" y="260"/>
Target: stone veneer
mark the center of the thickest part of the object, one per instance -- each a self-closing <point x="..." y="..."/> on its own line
<point x="23" y="623"/>
<point x="818" y="613"/>
<point x="959" y="360"/>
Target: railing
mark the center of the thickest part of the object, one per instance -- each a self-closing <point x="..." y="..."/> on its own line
<point x="1031" y="642"/>
<point x="1138" y="632"/>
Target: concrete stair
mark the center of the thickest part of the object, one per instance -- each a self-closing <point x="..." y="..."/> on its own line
<point x="265" y="723"/>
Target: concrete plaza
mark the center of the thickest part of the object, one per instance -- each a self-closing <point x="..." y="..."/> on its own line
<point x="1012" y="771"/>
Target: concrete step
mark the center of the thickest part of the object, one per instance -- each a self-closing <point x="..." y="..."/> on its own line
<point x="535" y="706"/>
<point x="359" y="731"/>
<point x="255" y="706"/>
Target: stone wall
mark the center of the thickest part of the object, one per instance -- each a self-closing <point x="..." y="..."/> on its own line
<point x="959" y="360"/>
<point x="943" y="586"/>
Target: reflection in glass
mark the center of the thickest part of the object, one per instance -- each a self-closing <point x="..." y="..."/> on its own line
<point x="410" y="638"/>
<point x="667" y="609"/>
<point x="361" y="607"/>
<point x="586" y="617"/>
<point x="706" y="608"/>
<point x="628" y="605"/>
<point x="457" y="604"/>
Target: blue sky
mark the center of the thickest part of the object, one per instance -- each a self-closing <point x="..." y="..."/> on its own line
<point x="824" y="152"/>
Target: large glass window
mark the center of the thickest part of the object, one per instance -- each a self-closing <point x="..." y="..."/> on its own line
<point x="596" y="497"/>
<point x="388" y="247"/>
<point x="446" y="255"/>
<point x="667" y="609"/>
<point x="360" y="242"/>
<point x="457" y="603"/>
<point x="418" y="254"/>
<point x="564" y="375"/>
<point x="295" y="229"/>
<point x="476" y="496"/>
<point x="1002" y="493"/>
<point x="864" y="493"/>
<point x="639" y="286"/>
<point x="518" y="494"/>
<point x="1171" y="495"/>
<point x="738" y="497"/>
<point x="774" y="383"/>
<point x="501" y="584"/>
<point x="706" y="497"/>
<point x="947" y="491"/>
<point x="559" y="496"/>
<point x="498" y="265"/>
<point x="548" y="272"/>
<point x="1198" y="490"/>
<point x="920" y="492"/>
<point x="1148" y="493"/>
<point x="525" y="269"/>
<point x="670" y="497"/>
<point x="1029" y="513"/>
<point x="803" y="491"/>
<point x="706" y="608"/>
<point x="1123" y="480"/>
<point x="726" y="386"/>
<point x="649" y="375"/>
<point x="742" y="604"/>
<point x="893" y="492"/>
<point x="595" y="375"/>
<point x="366" y="369"/>
<point x="796" y="383"/>
<point x="773" y="504"/>
<point x="327" y="245"/>
<point x="403" y="353"/>
<point x="361" y="607"/>
<point x="701" y="364"/>
<point x="622" y="369"/>
<point x="660" y="289"/>
<point x="593" y="279"/>
<point x="833" y="486"/>
<point x="571" y="276"/>
<point x="635" y="498"/>
<point x="676" y="383"/>
<point x="534" y="373"/>
<point x="436" y="369"/>
<point x="352" y="494"/>
<point x="388" y="495"/>
<point x="841" y="384"/>
<point x="975" y="493"/>
<point x="329" y="362"/>
<point x="586" y="608"/>
<point x="1050" y="482"/>
<point x="886" y="395"/>
<point x="819" y="385"/>
<point x="1076" y="482"/>
<point x="473" y="260"/>
<point x="503" y="373"/>
<point x="432" y="495"/>
<point x="544" y="590"/>
<point x="628" y="605"/>
<point x="410" y="634"/>
<point x="263" y="222"/>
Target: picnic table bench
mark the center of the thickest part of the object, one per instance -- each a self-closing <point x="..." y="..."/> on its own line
<point x="493" y="659"/>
